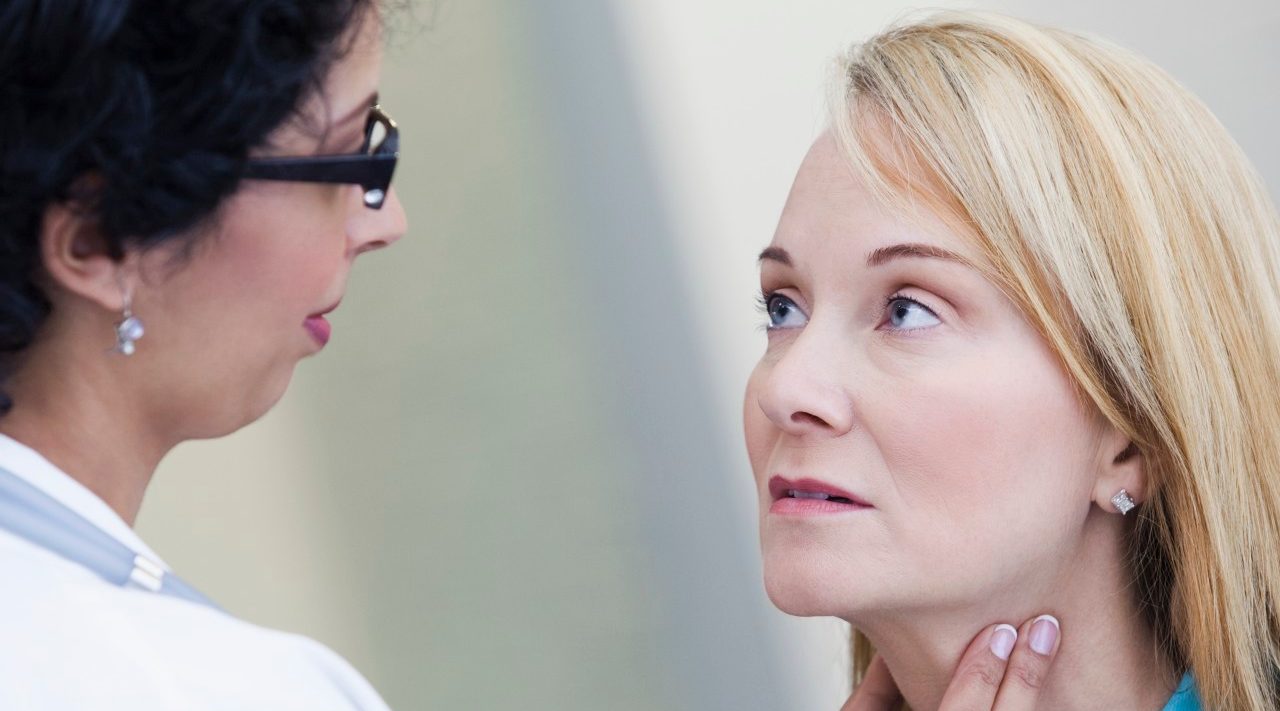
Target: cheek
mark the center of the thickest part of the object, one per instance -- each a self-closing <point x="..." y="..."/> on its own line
<point x="247" y="291"/>
<point x="234" y="314"/>
<point x="990" y="460"/>
<point x="286" y="280"/>
<point x="272" y="265"/>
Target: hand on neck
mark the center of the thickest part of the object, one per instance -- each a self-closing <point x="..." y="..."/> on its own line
<point x="1107" y="659"/>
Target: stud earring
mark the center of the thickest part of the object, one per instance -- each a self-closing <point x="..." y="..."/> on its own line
<point x="129" y="329"/>
<point x="1123" y="502"/>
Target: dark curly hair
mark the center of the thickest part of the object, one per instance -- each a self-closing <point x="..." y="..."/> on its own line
<point x="160" y="101"/>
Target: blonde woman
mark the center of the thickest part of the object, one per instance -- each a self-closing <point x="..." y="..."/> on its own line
<point x="1016" y="419"/>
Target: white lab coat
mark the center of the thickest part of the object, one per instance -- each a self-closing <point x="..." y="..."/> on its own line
<point x="70" y="640"/>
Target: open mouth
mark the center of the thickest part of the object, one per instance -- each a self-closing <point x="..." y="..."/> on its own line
<point x="810" y="496"/>
<point x="819" y="495"/>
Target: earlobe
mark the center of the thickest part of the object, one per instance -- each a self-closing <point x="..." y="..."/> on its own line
<point x="78" y="260"/>
<point x="1122" y="484"/>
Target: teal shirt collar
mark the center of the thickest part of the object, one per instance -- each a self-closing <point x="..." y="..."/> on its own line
<point x="1185" y="698"/>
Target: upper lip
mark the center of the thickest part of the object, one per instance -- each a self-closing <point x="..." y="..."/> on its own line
<point x="322" y="312"/>
<point x="780" y="485"/>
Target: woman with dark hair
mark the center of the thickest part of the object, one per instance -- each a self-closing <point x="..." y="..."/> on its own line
<point x="184" y="186"/>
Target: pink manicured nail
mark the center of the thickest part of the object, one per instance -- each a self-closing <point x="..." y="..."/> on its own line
<point x="1044" y="634"/>
<point x="1002" y="641"/>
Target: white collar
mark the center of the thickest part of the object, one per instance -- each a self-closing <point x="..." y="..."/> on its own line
<point x="28" y="464"/>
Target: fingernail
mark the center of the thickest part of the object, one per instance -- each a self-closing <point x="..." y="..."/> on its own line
<point x="1044" y="634"/>
<point x="1002" y="641"/>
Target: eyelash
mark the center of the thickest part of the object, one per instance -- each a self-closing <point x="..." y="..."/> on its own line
<point x="899" y="296"/>
<point x="762" y="306"/>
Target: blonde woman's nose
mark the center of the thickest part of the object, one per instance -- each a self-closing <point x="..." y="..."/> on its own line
<point x="803" y="395"/>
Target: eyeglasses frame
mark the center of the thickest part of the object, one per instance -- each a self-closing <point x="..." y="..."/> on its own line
<point x="371" y="171"/>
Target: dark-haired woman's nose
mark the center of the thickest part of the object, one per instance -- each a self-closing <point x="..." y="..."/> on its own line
<point x="805" y="393"/>
<point x="375" y="229"/>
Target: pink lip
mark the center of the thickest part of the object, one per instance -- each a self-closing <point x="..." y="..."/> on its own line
<point x="784" y="503"/>
<point x="319" y="329"/>
<point x="318" y="326"/>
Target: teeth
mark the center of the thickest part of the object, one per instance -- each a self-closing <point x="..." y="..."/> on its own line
<point x="798" y="494"/>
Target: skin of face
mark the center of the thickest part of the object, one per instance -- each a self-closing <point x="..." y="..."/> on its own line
<point x="950" y="416"/>
<point x="225" y="324"/>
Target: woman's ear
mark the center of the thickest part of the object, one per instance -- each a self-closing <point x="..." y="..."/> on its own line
<point x="78" y="260"/>
<point x="1122" y="467"/>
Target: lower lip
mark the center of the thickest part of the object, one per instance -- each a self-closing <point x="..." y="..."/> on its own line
<point x="319" y="329"/>
<point x="813" y="507"/>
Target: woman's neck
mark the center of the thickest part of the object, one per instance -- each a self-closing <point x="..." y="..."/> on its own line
<point x="1108" y="658"/>
<point x="81" y="418"/>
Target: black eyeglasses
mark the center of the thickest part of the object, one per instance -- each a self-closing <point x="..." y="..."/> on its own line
<point x="371" y="168"/>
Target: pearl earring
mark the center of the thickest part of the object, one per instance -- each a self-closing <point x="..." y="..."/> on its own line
<point x="1123" y="502"/>
<point x="129" y="329"/>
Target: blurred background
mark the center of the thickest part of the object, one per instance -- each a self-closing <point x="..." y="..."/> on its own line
<point x="515" y="479"/>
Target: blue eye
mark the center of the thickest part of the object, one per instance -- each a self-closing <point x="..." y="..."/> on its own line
<point x="907" y="314"/>
<point x="782" y="312"/>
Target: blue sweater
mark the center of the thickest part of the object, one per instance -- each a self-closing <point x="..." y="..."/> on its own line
<point x="1185" y="698"/>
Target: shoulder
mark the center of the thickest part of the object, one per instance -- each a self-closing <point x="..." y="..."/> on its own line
<point x="74" y="641"/>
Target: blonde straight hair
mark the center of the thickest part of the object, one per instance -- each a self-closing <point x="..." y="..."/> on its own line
<point x="1133" y="233"/>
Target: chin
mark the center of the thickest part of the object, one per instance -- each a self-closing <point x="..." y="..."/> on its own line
<point x="261" y="400"/>
<point x="808" y="583"/>
<point x="255" y="401"/>
<point x="798" y="600"/>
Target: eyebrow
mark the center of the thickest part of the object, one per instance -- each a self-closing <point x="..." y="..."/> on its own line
<point x="879" y="256"/>
<point x="913" y="249"/>
<point x="776" y="254"/>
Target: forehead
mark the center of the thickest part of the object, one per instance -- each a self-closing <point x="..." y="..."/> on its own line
<point x="358" y="68"/>
<point x="832" y="215"/>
